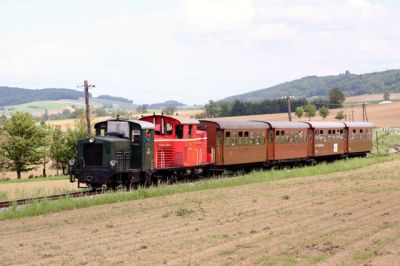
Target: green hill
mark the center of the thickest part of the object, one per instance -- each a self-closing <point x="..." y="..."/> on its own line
<point x="14" y="96"/>
<point x="350" y="84"/>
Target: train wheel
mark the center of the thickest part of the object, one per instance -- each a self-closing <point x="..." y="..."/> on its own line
<point x="130" y="184"/>
<point x="155" y="180"/>
<point x="147" y="180"/>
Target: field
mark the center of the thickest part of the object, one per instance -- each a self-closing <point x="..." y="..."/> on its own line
<point x="370" y="98"/>
<point x="34" y="188"/>
<point x="381" y="115"/>
<point x="349" y="218"/>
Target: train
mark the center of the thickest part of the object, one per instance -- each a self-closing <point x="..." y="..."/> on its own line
<point x="156" y="148"/>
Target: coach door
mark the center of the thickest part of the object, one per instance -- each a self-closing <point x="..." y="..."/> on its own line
<point x="310" y="142"/>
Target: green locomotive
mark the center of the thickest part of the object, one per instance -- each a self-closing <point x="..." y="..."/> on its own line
<point x="121" y="153"/>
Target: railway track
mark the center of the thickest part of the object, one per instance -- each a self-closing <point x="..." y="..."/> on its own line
<point x="79" y="194"/>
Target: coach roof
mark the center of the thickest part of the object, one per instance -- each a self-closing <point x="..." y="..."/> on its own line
<point x="358" y="124"/>
<point x="326" y="124"/>
<point x="284" y="124"/>
<point x="228" y="124"/>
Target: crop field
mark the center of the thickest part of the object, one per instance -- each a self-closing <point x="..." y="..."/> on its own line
<point x="348" y="218"/>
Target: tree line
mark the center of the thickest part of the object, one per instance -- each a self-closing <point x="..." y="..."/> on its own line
<point x="26" y="144"/>
<point x="239" y="108"/>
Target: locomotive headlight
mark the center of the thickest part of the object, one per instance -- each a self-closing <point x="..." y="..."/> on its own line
<point x="113" y="163"/>
<point x="91" y="140"/>
<point x="71" y="162"/>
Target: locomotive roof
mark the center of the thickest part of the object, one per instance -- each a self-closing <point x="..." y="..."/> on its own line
<point x="284" y="124"/>
<point x="326" y="124"/>
<point x="180" y="119"/>
<point x="229" y="124"/>
<point x="358" y="124"/>
<point x="142" y="124"/>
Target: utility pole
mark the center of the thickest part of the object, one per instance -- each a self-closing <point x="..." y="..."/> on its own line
<point x="352" y="115"/>
<point x="289" y="106"/>
<point x="363" y="110"/>
<point x="86" y="87"/>
<point x="365" y="116"/>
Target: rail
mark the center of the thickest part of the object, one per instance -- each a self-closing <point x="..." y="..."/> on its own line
<point x="79" y="194"/>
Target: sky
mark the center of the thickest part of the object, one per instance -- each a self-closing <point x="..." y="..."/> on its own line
<point x="192" y="51"/>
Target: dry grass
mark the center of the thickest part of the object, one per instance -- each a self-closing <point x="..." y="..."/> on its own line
<point x="13" y="191"/>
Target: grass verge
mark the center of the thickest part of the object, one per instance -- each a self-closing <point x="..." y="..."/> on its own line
<point x="45" y="207"/>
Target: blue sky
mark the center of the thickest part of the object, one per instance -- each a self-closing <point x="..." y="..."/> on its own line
<point x="192" y="50"/>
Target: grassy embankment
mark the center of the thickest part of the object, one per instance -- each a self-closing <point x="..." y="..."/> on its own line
<point x="46" y="207"/>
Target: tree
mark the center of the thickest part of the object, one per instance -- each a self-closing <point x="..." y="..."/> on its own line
<point x="299" y="111"/>
<point x="324" y="112"/>
<point x="63" y="147"/>
<point x="310" y="110"/>
<point x="23" y="140"/>
<point x="45" y="146"/>
<point x="386" y="96"/>
<point x="58" y="148"/>
<point x="339" y="115"/>
<point x="336" y="97"/>
<point x="169" y="110"/>
<point x="141" y="109"/>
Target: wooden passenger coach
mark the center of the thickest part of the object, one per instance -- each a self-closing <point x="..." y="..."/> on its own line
<point x="329" y="139"/>
<point x="359" y="137"/>
<point x="287" y="140"/>
<point x="235" y="142"/>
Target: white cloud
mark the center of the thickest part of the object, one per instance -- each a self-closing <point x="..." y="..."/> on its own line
<point x="216" y="15"/>
<point x="198" y="49"/>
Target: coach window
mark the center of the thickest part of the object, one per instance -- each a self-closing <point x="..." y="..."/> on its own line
<point x="258" y="138"/>
<point x="277" y="133"/>
<point x="233" y="138"/>
<point x="227" y="138"/>
<point x="102" y="132"/>
<point x="240" y="138"/>
<point x="219" y="138"/>
<point x="179" y="131"/>
<point x="246" y="138"/>
<point x="252" y="138"/>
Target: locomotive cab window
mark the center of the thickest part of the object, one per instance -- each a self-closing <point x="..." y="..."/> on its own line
<point x="168" y="129"/>
<point x="135" y="136"/>
<point x="179" y="131"/>
<point x="190" y="131"/>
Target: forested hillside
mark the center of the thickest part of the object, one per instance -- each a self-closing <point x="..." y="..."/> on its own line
<point x="350" y="84"/>
<point x="13" y="96"/>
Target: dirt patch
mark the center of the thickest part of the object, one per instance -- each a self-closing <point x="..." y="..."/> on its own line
<point x="338" y="218"/>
